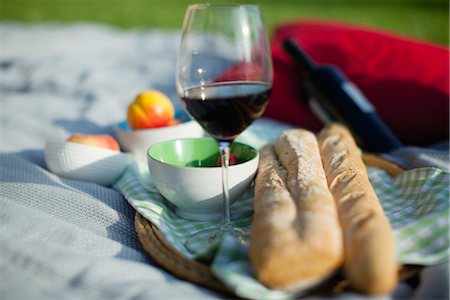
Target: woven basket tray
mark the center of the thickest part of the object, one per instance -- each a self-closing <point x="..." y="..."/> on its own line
<point x="163" y="253"/>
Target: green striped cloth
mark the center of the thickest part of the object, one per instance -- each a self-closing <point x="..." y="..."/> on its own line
<point x="416" y="203"/>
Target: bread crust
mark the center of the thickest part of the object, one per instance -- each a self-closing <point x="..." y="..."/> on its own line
<point x="370" y="263"/>
<point x="296" y="239"/>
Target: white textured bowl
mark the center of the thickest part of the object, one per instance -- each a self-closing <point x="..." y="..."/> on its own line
<point x="84" y="162"/>
<point x="138" y="141"/>
<point x="196" y="192"/>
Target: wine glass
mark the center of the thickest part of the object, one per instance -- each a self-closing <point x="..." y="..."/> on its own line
<point x="224" y="79"/>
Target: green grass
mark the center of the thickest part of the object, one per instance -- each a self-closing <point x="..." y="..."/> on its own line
<point x="423" y="19"/>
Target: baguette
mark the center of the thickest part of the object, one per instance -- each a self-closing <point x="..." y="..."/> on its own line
<point x="369" y="246"/>
<point x="296" y="240"/>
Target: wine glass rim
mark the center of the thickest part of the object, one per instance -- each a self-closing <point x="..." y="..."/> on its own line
<point x="222" y="5"/>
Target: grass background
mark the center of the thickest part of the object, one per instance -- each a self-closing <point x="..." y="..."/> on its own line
<point x="422" y="19"/>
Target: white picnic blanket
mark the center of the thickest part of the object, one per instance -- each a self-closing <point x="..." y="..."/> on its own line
<point x="66" y="239"/>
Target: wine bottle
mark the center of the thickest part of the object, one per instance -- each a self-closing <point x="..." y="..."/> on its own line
<point x="335" y="98"/>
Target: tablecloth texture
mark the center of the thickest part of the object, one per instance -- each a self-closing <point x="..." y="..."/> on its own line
<point x="63" y="239"/>
<point x="66" y="239"/>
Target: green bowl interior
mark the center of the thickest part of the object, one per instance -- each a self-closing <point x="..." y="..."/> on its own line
<point x="197" y="152"/>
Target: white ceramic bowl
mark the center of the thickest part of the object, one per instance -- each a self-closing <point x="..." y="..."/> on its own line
<point x="138" y="141"/>
<point x="196" y="191"/>
<point x="84" y="162"/>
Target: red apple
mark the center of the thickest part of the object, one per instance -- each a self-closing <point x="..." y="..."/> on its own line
<point x="96" y="140"/>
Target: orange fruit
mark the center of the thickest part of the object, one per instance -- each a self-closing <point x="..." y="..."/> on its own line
<point x="150" y="109"/>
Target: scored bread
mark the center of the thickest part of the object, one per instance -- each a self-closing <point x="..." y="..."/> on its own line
<point x="296" y="240"/>
<point x="369" y="246"/>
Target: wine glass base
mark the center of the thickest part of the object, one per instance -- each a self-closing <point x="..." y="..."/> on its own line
<point x="204" y="244"/>
<point x="196" y="216"/>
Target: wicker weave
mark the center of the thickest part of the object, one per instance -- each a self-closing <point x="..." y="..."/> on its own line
<point x="172" y="260"/>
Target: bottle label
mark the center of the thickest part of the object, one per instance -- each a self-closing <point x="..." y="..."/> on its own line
<point x="358" y="97"/>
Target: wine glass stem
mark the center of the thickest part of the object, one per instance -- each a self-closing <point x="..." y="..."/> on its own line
<point x="225" y="157"/>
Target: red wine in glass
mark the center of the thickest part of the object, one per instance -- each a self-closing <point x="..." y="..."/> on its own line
<point x="226" y="109"/>
<point x="224" y="78"/>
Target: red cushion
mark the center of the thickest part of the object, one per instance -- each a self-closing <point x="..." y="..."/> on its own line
<point x="407" y="81"/>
